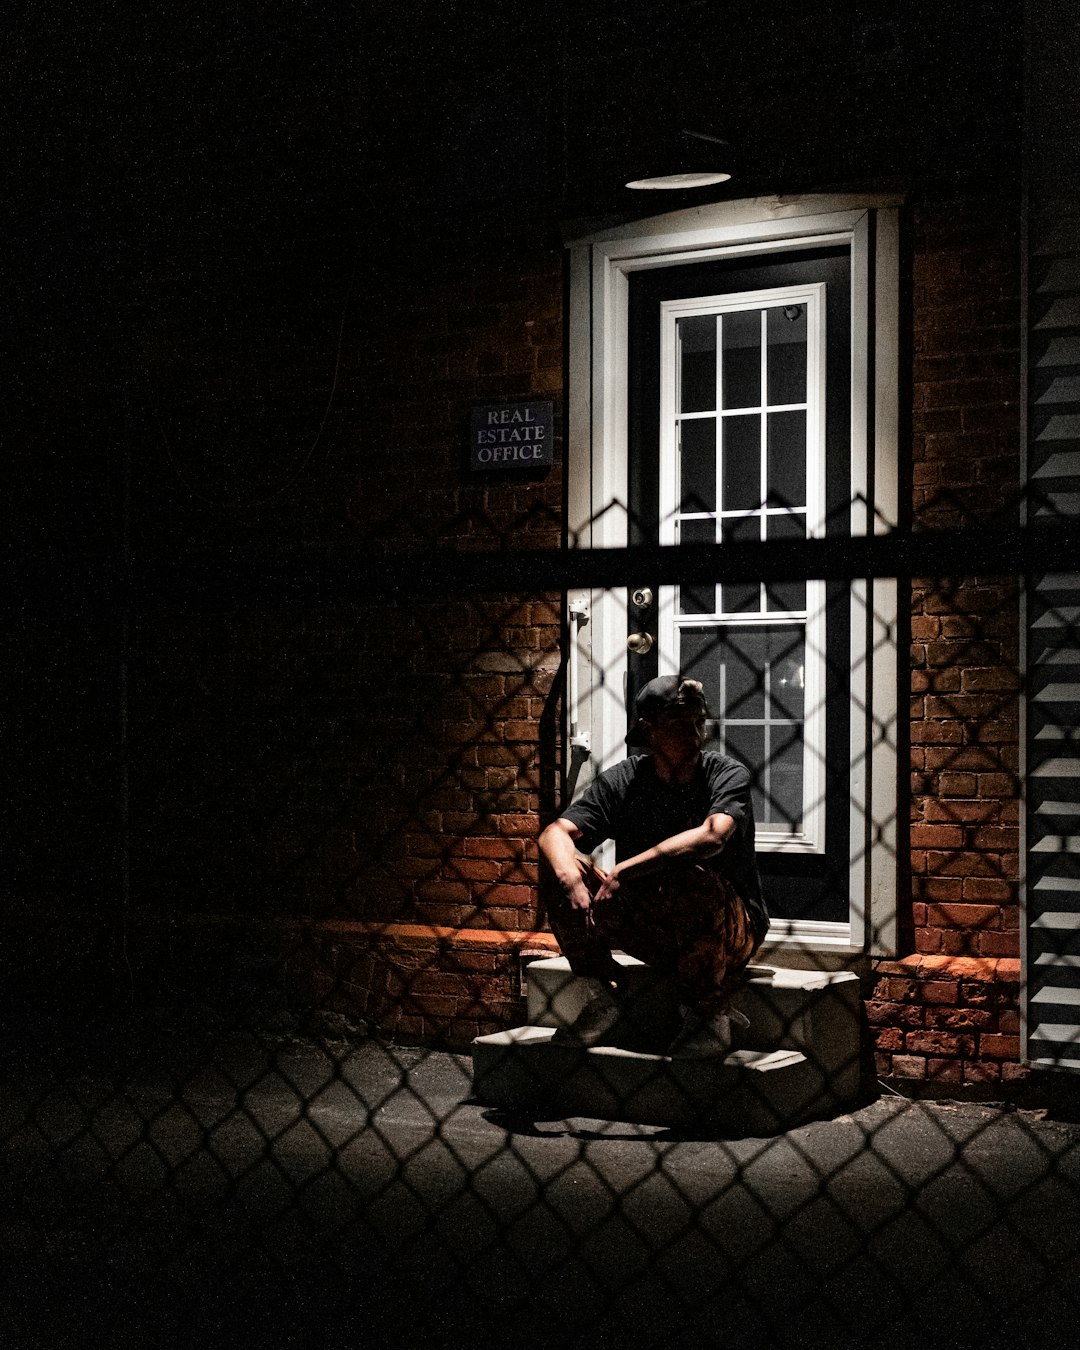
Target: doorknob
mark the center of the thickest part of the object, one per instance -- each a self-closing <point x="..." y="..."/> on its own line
<point x="640" y="643"/>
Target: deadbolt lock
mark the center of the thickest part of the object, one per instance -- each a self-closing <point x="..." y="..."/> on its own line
<point x="642" y="598"/>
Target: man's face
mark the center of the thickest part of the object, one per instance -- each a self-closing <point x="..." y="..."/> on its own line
<point x="678" y="735"/>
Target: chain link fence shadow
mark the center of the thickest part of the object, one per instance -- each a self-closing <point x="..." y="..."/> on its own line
<point x="240" y="1104"/>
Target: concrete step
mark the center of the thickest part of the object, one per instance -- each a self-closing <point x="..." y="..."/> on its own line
<point x="751" y="1092"/>
<point x="798" y="1059"/>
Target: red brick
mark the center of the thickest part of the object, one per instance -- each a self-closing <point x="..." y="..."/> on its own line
<point x="509" y="920"/>
<point x="898" y="991"/>
<point x="998" y="944"/>
<point x="995" y="838"/>
<point x="516" y="824"/>
<point x="936" y="836"/>
<point x="887" y="967"/>
<point x="943" y="889"/>
<point x="418" y="867"/>
<point x="477" y="869"/>
<point x="963" y="916"/>
<point x="982" y="1072"/>
<point x="426" y="980"/>
<point x="938" y="1043"/>
<point x="958" y="1019"/>
<point x="965" y="706"/>
<point x="962" y="812"/>
<point x="999" y="1047"/>
<point x="893" y="1014"/>
<point x="944" y="680"/>
<point x="981" y="759"/>
<point x="967" y="864"/>
<point x="944" y="1070"/>
<point x="444" y="892"/>
<point x="479" y="963"/>
<point x="908" y="1066"/>
<point x="990" y="889"/>
<point x="429" y="845"/>
<point x="515" y="896"/>
<point x="990" y="678"/>
<point x="940" y="991"/>
<point x="937" y="733"/>
<point x="479" y="846"/>
<point x="958" y="942"/>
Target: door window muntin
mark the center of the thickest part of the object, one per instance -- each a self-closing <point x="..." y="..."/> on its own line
<point x="792" y="744"/>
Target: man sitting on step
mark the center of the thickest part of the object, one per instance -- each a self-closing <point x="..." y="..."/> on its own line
<point x="684" y="896"/>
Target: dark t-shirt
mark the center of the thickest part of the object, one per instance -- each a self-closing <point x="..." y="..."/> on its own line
<point x="632" y="805"/>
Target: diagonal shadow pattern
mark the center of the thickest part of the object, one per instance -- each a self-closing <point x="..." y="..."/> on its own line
<point x="268" y="1132"/>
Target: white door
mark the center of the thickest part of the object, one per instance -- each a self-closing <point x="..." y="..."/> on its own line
<point x="721" y="391"/>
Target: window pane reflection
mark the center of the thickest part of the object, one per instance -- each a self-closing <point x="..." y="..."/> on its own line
<point x="742" y="463"/>
<point x="698" y="464"/>
<point x="785" y="328"/>
<point x="742" y="358"/>
<point x="786" y="435"/>
<point x="697" y="363"/>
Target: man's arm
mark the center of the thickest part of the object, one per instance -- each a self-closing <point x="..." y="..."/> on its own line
<point x="557" y="845"/>
<point x="703" y="841"/>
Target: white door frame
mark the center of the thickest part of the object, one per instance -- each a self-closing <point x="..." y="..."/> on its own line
<point x="600" y="269"/>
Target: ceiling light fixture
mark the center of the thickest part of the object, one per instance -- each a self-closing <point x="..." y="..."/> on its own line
<point x="694" y="161"/>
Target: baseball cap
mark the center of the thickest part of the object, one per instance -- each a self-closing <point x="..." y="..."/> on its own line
<point x="661" y="695"/>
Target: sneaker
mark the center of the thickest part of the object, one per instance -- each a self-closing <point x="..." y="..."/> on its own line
<point x="706" y="1035"/>
<point x="594" y="1023"/>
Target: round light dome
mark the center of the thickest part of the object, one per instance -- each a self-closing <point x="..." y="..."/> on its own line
<point x="675" y="181"/>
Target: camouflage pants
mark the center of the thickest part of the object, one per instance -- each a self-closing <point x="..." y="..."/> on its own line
<point x="686" y="922"/>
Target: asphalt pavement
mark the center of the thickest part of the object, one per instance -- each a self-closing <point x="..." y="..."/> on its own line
<point x="251" y="1190"/>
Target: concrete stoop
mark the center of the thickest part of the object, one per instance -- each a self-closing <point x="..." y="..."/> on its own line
<point x="798" y="1060"/>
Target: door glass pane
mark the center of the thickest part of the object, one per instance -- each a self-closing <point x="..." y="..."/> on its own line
<point x="783" y="806"/>
<point x="727" y="662"/>
<point x="697" y="440"/>
<point x="741" y="597"/>
<point x="697" y="599"/>
<point x="786" y="436"/>
<point x="742" y="463"/>
<point x="787" y="677"/>
<point x="785" y="328"/>
<point x="785" y="595"/>
<point x="741" y="373"/>
<point x="747" y="744"/>
<point x="696" y="338"/>
<point x="754" y="680"/>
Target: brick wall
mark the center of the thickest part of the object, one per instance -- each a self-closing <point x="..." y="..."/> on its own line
<point x="947" y="1020"/>
<point x="946" y="1012"/>
<point x="949" y="1013"/>
<point x="388" y="763"/>
<point x="441" y="985"/>
<point x="458" y="846"/>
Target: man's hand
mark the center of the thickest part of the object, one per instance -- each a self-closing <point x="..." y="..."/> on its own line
<point x="575" y="889"/>
<point x="557" y="847"/>
<point x="609" y="887"/>
<point x="703" y="841"/>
